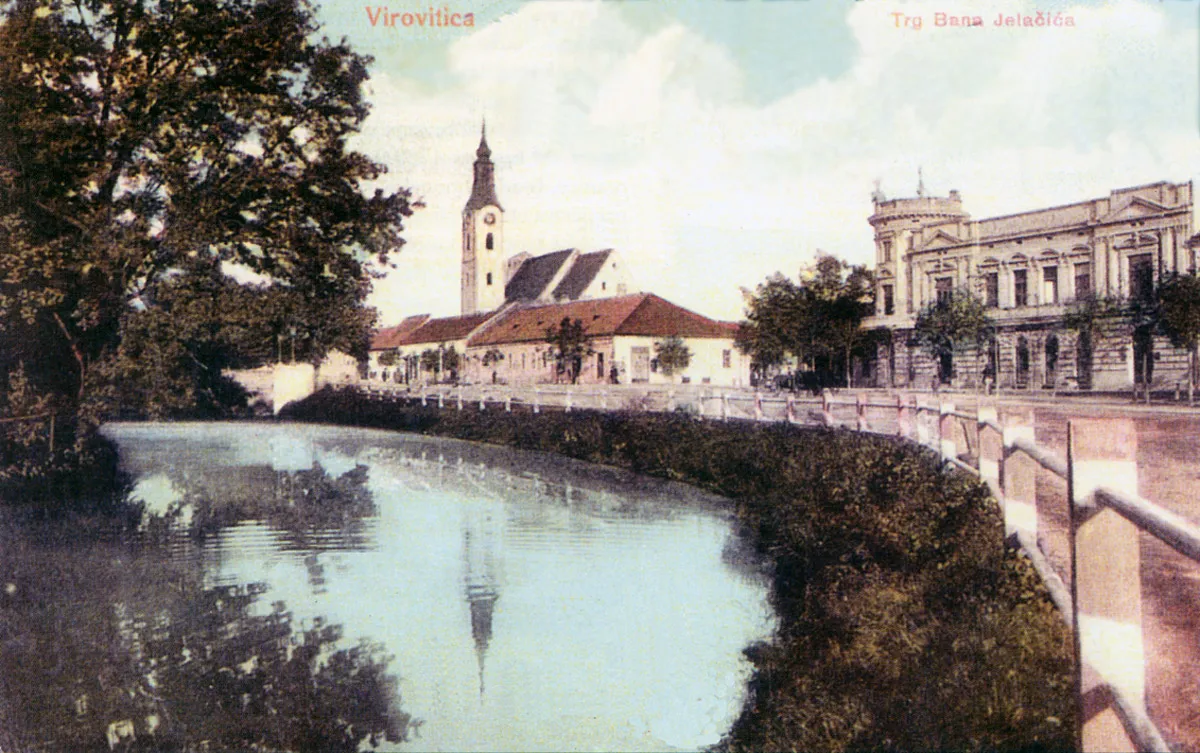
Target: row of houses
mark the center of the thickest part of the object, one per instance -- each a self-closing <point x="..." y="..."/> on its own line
<point x="511" y="345"/>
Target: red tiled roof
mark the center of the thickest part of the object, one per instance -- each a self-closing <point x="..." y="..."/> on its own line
<point x="640" y="314"/>
<point x="656" y="317"/>
<point x="445" y="329"/>
<point x="388" y="338"/>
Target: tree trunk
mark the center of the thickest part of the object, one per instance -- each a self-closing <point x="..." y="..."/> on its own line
<point x="75" y="351"/>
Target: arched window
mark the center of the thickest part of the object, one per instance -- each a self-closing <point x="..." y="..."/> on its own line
<point x="1051" y="360"/>
<point x="1022" y="362"/>
<point x="1083" y="360"/>
<point x="488" y="243"/>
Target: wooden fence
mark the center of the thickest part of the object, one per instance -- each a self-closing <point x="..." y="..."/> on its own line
<point x="47" y="419"/>
<point x="1102" y="603"/>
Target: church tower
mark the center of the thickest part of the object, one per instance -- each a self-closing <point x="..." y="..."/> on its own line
<point x="483" y="238"/>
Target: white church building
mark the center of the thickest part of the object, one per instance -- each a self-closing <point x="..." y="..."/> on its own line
<point x="508" y="301"/>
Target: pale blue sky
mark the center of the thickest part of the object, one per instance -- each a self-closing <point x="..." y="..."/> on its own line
<point x="713" y="142"/>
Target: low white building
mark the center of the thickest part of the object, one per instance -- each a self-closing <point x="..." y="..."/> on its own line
<point x="621" y="335"/>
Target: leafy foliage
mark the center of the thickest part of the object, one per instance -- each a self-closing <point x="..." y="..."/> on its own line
<point x="1179" y="315"/>
<point x="820" y="317"/>
<point x="140" y="139"/>
<point x="673" y="355"/>
<point x="905" y="624"/>
<point x="568" y="346"/>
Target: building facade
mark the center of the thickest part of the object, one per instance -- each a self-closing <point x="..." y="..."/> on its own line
<point x="1034" y="271"/>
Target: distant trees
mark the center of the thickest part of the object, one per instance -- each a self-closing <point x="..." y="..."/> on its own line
<point x="673" y="355"/>
<point x="1178" y="304"/>
<point x="950" y="324"/>
<point x="569" y="345"/>
<point x="440" y="360"/>
<point x="815" y="321"/>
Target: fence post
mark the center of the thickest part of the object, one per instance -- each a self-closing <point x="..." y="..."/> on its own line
<point x="536" y="400"/>
<point x="1018" y="475"/>
<point x="460" y="399"/>
<point x="441" y="400"/>
<point x="700" y="404"/>
<point x="991" y="448"/>
<point x="423" y="396"/>
<point x="670" y="400"/>
<point x="508" y="403"/>
<point x="568" y="399"/>
<point x="482" y="407"/>
<point x="603" y="399"/>
<point x="903" y="418"/>
<point x="1106" y="588"/>
<point x="758" y="409"/>
<point x="946" y="444"/>
<point x="921" y="420"/>
<point x="724" y="406"/>
<point x="860" y="412"/>
<point x="826" y="409"/>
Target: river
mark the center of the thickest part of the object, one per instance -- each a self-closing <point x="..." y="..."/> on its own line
<point x="308" y="587"/>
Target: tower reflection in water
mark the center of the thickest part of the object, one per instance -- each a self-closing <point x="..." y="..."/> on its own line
<point x="480" y="546"/>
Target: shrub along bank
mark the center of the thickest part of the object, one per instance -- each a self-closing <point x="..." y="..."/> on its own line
<point x="904" y="624"/>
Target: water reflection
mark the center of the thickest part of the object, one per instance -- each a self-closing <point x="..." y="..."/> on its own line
<point x="529" y="602"/>
<point x="111" y="646"/>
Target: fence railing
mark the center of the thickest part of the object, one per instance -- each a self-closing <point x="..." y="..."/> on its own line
<point x="1102" y="605"/>
<point x="48" y="419"/>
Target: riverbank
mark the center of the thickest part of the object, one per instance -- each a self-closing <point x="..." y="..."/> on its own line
<point x="903" y="621"/>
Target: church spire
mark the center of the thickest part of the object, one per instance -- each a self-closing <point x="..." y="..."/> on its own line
<point x="483" y="192"/>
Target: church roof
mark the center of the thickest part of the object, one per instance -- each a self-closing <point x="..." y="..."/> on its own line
<point x="445" y="329"/>
<point x="388" y="338"/>
<point x="641" y="314"/>
<point x="535" y="275"/>
<point x="581" y="274"/>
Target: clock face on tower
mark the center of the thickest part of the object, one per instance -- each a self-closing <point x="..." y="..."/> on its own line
<point x="489" y="218"/>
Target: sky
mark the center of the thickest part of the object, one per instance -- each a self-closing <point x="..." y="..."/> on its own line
<point x="715" y="142"/>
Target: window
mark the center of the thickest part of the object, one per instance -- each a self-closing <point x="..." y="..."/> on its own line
<point x="1141" y="277"/>
<point x="599" y="365"/>
<point x="945" y="289"/>
<point x="727" y="359"/>
<point x="991" y="284"/>
<point x="489" y="278"/>
<point x="886" y="249"/>
<point x="489" y="242"/>
<point x="889" y="300"/>
<point x="1049" y="285"/>
<point x="603" y="285"/>
<point x="1020" y="290"/>
<point x="1083" y="279"/>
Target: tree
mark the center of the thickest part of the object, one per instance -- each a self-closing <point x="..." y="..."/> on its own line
<point x="140" y="136"/>
<point x="569" y="346"/>
<point x="1178" y="299"/>
<point x="431" y="361"/>
<point x="774" y="329"/>
<point x="943" y="327"/>
<point x="388" y="358"/>
<point x="817" y="319"/>
<point x="673" y="355"/>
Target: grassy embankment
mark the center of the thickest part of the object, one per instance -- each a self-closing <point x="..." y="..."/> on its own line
<point x="903" y="622"/>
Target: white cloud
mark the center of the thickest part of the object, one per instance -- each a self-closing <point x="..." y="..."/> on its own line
<point x="606" y="135"/>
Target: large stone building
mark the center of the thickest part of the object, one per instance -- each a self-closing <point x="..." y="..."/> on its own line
<point x="1031" y="269"/>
